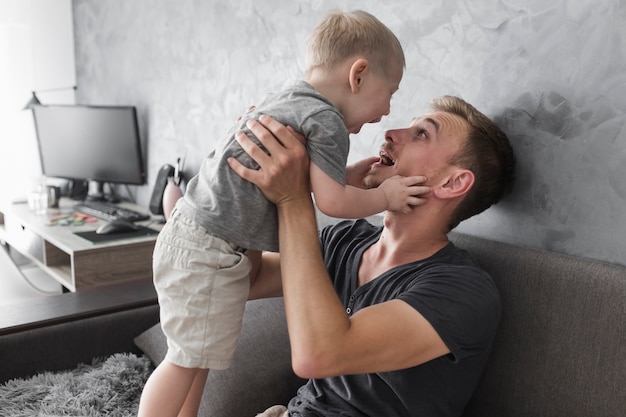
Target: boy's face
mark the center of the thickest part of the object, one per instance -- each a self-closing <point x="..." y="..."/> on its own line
<point x="373" y="101"/>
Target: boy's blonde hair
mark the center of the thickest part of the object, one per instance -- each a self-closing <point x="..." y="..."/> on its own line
<point x="346" y="34"/>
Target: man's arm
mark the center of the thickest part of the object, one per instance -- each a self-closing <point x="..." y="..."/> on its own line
<point x="266" y="282"/>
<point x="325" y="341"/>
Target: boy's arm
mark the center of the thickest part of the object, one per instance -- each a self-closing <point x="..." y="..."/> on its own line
<point x="349" y="202"/>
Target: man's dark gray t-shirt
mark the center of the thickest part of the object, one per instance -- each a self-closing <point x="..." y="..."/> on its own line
<point x="459" y="300"/>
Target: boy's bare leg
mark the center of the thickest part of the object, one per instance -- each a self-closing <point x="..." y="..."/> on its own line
<point x="192" y="403"/>
<point x="166" y="390"/>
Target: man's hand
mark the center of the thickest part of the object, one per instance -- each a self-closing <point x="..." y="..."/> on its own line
<point x="248" y="110"/>
<point x="283" y="174"/>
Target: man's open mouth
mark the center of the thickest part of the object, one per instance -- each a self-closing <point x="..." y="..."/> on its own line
<point x="385" y="159"/>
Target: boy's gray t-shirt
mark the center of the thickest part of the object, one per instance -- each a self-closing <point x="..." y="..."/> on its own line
<point x="236" y="210"/>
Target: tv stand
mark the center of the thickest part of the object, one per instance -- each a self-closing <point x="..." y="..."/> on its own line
<point x="72" y="260"/>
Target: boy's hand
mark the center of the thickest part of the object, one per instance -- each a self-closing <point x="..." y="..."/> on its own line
<point x="402" y="192"/>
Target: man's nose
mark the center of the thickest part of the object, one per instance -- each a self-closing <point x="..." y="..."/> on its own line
<point x="393" y="136"/>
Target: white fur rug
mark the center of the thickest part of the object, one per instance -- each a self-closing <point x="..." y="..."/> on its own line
<point x="108" y="388"/>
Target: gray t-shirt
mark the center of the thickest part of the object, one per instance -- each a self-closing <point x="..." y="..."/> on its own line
<point x="234" y="209"/>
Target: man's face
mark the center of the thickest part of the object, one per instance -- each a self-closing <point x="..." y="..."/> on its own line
<point x="426" y="147"/>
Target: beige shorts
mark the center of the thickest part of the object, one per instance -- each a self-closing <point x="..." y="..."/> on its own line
<point x="202" y="283"/>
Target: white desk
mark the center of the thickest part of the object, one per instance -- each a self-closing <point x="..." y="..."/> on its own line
<point x="74" y="261"/>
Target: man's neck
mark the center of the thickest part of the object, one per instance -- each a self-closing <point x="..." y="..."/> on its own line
<point x="401" y="242"/>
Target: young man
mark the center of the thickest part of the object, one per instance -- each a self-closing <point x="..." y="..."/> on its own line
<point x="391" y="320"/>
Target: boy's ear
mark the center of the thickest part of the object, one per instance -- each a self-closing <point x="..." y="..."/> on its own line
<point x="358" y="70"/>
<point x="457" y="184"/>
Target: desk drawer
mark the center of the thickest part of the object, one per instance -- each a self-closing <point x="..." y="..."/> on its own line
<point x="22" y="239"/>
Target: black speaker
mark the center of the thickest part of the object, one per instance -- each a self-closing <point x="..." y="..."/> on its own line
<point x="156" y="201"/>
<point x="78" y="190"/>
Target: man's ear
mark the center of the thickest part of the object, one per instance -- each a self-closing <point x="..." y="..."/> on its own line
<point x="358" y="70"/>
<point x="455" y="185"/>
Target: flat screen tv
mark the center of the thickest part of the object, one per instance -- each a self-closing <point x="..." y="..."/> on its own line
<point x="99" y="144"/>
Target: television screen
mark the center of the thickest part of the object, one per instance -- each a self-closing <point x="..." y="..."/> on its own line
<point x="95" y="143"/>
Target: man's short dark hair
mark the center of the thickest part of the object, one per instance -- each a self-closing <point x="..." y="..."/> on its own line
<point x="487" y="153"/>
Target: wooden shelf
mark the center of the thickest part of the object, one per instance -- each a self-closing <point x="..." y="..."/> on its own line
<point x="72" y="260"/>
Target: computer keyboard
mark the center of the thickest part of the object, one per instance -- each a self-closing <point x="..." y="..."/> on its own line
<point x="109" y="211"/>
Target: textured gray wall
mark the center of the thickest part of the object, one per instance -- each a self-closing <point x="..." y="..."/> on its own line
<point x="552" y="73"/>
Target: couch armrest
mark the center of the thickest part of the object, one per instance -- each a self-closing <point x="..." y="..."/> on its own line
<point x="74" y="328"/>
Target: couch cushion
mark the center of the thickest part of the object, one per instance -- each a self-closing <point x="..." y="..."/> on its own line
<point x="561" y="346"/>
<point x="260" y="375"/>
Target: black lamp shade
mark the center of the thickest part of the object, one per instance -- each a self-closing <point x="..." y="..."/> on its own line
<point x="34" y="101"/>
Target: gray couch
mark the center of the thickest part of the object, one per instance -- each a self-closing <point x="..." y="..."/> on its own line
<point x="560" y="349"/>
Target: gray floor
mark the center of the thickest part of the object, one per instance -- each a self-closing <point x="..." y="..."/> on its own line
<point x="31" y="282"/>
